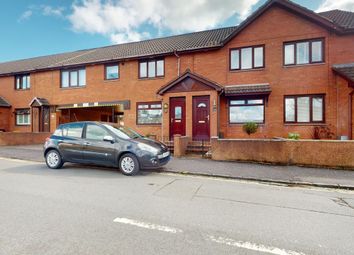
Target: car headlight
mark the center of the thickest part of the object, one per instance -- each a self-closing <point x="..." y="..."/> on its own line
<point x="148" y="148"/>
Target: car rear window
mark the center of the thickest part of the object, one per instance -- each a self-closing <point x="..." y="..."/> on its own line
<point x="73" y="130"/>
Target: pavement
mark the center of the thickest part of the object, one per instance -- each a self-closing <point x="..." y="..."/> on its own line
<point x="288" y="175"/>
<point x="79" y="210"/>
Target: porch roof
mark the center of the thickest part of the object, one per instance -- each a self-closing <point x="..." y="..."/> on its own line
<point x="247" y="89"/>
<point x="188" y="74"/>
<point x="37" y="101"/>
<point x="346" y="71"/>
<point x="124" y="103"/>
<point x="4" y="102"/>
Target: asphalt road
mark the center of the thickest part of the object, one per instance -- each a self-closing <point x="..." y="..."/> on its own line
<point x="87" y="210"/>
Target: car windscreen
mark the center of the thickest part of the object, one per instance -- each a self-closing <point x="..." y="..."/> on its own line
<point x="123" y="132"/>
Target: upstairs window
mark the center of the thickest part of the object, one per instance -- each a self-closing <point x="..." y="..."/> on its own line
<point x="73" y="78"/>
<point x="112" y="72"/>
<point x="304" y="109"/>
<point x="23" y="117"/>
<point x="151" y="68"/>
<point x="247" y="58"/>
<point x="304" y="52"/>
<point x="22" y="82"/>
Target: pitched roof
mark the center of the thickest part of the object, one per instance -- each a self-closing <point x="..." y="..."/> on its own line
<point x="345" y="70"/>
<point x="4" y="103"/>
<point x="37" y="101"/>
<point x="338" y="21"/>
<point x="343" y="19"/>
<point x="194" y="76"/>
<point x="160" y="46"/>
<point x="247" y="89"/>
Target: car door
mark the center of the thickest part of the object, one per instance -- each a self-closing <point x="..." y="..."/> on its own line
<point x="71" y="144"/>
<point x="96" y="150"/>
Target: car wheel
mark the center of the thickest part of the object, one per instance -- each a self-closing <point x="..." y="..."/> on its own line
<point x="53" y="159"/>
<point x="129" y="164"/>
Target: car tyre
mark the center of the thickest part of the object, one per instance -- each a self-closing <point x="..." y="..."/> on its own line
<point x="53" y="159"/>
<point x="129" y="164"/>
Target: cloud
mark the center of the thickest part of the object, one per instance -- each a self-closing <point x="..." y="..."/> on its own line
<point x="122" y="21"/>
<point x="48" y="10"/>
<point x="347" y="5"/>
<point x="25" y="16"/>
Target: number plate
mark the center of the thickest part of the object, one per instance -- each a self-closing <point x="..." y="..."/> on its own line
<point x="164" y="155"/>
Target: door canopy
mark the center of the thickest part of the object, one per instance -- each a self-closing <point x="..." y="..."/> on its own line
<point x="188" y="82"/>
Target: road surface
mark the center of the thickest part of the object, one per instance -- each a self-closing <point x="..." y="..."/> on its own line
<point x="91" y="210"/>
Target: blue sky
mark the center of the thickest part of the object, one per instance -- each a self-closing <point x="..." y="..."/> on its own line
<point x="33" y="28"/>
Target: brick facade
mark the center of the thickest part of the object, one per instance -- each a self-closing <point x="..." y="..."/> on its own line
<point x="271" y="29"/>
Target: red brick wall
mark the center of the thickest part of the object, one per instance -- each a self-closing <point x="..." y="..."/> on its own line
<point x="22" y="138"/>
<point x="338" y="154"/>
<point x="272" y="29"/>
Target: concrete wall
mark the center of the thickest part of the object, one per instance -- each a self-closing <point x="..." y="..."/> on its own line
<point x="328" y="153"/>
<point x="22" y="138"/>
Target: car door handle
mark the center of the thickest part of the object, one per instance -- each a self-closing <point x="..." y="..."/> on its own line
<point x="87" y="143"/>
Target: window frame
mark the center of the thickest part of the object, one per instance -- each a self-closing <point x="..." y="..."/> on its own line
<point x="240" y="61"/>
<point x="311" y="96"/>
<point x="149" y="108"/>
<point x="310" y="41"/>
<point x="147" y="68"/>
<point x="84" y="132"/>
<point x="29" y="116"/>
<point x="69" y="71"/>
<point x="28" y="75"/>
<point x="246" y="99"/>
<point x="105" y="71"/>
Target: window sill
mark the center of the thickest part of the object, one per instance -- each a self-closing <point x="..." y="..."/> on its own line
<point x="306" y="124"/>
<point x="22" y="125"/>
<point x="148" y="124"/>
<point x="247" y="70"/>
<point x="152" y="78"/>
<point x="110" y="80"/>
<point x="78" y="87"/>
<point x="304" y="65"/>
<point x="241" y="124"/>
<point x="22" y="89"/>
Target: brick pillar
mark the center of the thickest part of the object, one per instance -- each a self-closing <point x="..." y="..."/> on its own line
<point x="180" y="144"/>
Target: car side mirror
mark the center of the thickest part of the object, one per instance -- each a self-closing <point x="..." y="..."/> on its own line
<point x="108" y="138"/>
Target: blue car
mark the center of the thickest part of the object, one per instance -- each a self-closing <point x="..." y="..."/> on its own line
<point x="105" y="144"/>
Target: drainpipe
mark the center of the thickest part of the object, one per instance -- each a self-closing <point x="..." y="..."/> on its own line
<point x="350" y="118"/>
<point x="178" y="62"/>
<point x="218" y="112"/>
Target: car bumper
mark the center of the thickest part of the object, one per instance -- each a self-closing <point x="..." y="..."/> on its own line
<point x="156" y="162"/>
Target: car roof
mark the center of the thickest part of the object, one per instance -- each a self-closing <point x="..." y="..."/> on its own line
<point x="91" y="122"/>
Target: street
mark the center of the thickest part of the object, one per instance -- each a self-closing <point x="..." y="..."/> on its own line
<point x="92" y="210"/>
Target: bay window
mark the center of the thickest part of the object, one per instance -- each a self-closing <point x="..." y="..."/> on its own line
<point x="246" y="110"/>
<point x="304" y="109"/>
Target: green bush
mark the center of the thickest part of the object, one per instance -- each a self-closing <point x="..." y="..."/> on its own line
<point x="294" y="136"/>
<point x="250" y="127"/>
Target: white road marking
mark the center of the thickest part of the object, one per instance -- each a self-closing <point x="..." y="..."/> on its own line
<point x="253" y="246"/>
<point x="21" y="160"/>
<point x="147" y="225"/>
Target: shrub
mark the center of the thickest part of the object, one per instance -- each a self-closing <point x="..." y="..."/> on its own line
<point x="250" y="128"/>
<point x="294" y="136"/>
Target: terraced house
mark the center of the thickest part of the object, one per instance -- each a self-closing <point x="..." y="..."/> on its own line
<point x="285" y="67"/>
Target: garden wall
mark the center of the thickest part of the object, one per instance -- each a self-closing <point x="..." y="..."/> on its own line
<point x="327" y="153"/>
<point x="22" y="138"/>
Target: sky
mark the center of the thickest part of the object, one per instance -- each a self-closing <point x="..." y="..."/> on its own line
<point x="31" y="28"/>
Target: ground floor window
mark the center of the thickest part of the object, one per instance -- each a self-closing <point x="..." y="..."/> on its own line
<point x="242" y="110"/>
<point x="23" y="117"/>
<point x="304" y="109"/>
<point x="149" y="113"/>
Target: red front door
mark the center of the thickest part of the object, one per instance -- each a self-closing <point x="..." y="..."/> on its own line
<point x="201" y="117"/>
<point x="177" y="116"/>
